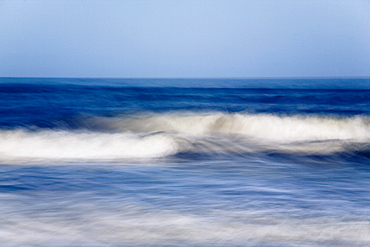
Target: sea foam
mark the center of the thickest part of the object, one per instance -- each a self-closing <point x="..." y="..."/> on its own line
<point x="256" y="126"/>
<point x="24" y="145"/>
<point x="166" y="134"/>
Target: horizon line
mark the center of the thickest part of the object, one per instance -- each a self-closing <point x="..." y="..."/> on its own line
<point x="194" y="78"/>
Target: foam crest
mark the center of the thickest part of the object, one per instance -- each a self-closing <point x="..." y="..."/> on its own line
<point x="265" y="127"/>
<point x="162" y="135"/>
<point x="20" y="145"/>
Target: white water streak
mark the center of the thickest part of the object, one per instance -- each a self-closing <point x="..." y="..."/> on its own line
<point x="135" y="226"/>
<point x="160" y="135"/>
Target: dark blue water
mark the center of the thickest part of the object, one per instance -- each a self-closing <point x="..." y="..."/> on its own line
<point x="114" y="162"/>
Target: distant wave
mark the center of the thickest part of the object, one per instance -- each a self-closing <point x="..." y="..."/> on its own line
<point x="159" y="135"/>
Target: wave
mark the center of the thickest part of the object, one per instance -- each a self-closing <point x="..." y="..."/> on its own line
<point x="160" y="135"/>
<point x="266" y="127"/>
<point x="22" y="146"/>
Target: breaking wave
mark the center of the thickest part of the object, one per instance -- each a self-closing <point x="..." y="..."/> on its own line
<point x="21" y="145"/>
<point x="160" y="135"/>
<point x="266" y="127"/>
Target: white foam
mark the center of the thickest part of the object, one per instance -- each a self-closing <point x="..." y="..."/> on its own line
<point x="160" y="135"/>
<point x="134" y="226"/>
<point x="20" y="145"/>
<point x="245" y="133"/>
<point x="266" y="127"/>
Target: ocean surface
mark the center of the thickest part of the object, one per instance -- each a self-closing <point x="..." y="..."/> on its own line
<point x="184" y="162"/>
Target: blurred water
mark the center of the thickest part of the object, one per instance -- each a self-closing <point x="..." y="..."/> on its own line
<point x="82" y="164"/>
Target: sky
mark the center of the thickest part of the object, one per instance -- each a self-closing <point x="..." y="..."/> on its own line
<point x="184" y="38"/>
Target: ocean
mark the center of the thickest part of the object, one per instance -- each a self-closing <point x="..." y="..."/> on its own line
<point x="184" y="162"/>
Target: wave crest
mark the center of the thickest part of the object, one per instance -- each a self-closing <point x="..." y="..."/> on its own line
<point x="267" y="127"/>
<point x="21" y="145"/>
<point x="160" y="135"/>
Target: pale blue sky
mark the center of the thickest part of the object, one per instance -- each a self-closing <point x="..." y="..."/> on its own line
<point x="184" y="38"/>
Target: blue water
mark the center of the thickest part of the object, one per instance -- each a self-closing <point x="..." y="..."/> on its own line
<point x="184" y="162"/>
